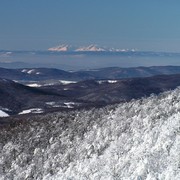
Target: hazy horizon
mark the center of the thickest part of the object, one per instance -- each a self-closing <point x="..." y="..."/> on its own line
<point x="70" y="61"/>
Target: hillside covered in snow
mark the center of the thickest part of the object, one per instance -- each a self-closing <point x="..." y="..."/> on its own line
<point x="135" y="140"/>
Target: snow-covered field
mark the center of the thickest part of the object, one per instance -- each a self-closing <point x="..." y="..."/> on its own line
<point x="139" y="140"/>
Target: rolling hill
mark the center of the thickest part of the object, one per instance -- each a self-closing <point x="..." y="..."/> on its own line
<point x="16" y="98"/>
<point x="42" y="74"/>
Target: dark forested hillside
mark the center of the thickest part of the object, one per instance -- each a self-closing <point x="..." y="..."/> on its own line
<point x="16" y="98"/>
<point x="40" y="74"/>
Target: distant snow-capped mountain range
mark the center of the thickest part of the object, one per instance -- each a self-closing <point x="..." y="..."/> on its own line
<point x="90" y="48"/>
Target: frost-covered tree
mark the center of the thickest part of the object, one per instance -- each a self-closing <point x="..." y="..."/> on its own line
<point x="135" y="140"/>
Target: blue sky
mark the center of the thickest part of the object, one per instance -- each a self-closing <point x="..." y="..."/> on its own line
<point x="40" y="24"/>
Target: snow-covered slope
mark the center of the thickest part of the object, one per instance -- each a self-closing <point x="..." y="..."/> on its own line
<point x="139" y="140"/>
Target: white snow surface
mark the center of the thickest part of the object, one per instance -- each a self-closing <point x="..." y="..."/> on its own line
<point x="30" y="71"/>
<point x="33" y="110"/>
<point x="38" y="84"/>
<point x="112" y="81"/>
<point x="139" y="140"/>
<point x="34" y="85"/>
<point x="67" y="82"/>
<point x="107" y="81"/>
<point x="24" y="70"/>
<point x="3" y="114"/>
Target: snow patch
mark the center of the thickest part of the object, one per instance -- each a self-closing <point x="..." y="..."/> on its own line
<point x="70" y="104"/>
<point x="34" y="85"/>
<point x="107" y="81"/>
<point x="33" y="110"/>
<point x="3" y="114"/>
<point x="67" y="82"/>
<point x="24" y="70"/>
<point x="51" y="103"/>
<point x="30" y="71"/>
<point x="112" y="81"/>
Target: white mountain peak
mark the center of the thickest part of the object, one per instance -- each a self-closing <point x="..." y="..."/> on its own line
<point x="60" y="48"/>
<point x="90" y="48"/>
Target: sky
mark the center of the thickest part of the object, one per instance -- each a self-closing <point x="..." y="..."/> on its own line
<point x="152" y="25"/>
